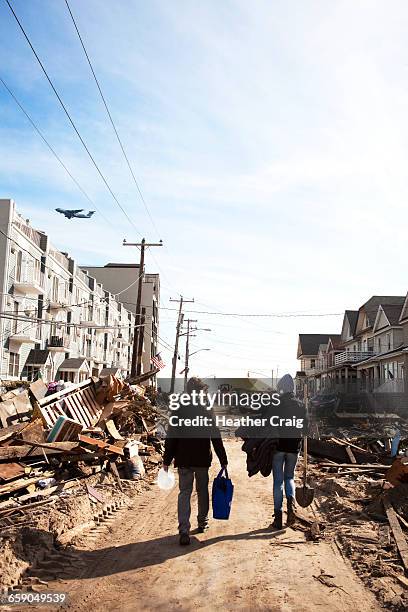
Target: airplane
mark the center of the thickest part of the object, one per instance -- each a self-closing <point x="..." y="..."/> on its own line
<point x="75" y="214"/>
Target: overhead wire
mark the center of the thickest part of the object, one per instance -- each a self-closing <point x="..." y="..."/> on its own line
<point x="85" y="146"/>
<point x="125" y="155"/>
<point x="54" y="153"/>
<point x="111" y="118"/>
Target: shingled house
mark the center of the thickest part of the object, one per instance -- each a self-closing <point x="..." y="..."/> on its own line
<point x="370" y="351"/>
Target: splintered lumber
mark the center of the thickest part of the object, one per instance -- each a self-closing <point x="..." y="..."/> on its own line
<point x="10" y="470"/>
<point x="360" y="466"/>
<point x="398" y="472"/>
<point x="398" y="534"/>
<point x="23" y="483"/>
<point x="58" y="488"/>
<point x="351" y="454"/>
<point x="334" y="451"/>
<point x="101" y="444"/>
<point x="35" y="449"/>
<point x="114" y="469"/>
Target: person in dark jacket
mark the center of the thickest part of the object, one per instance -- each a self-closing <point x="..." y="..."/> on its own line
<point x="286" y="456"/>
<point x="192" y="456"/>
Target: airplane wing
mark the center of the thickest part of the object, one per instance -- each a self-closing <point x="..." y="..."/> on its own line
<point x="75" y="212"/>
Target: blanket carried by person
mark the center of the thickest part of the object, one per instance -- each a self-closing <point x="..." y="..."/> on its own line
<point x="260" y="452"/>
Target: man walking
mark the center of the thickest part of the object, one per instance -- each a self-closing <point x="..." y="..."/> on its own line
<point x="192" y="456"/>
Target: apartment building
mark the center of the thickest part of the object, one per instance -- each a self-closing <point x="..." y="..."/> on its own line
<point x="57" y="321"/>
<point x="122" y="280"/>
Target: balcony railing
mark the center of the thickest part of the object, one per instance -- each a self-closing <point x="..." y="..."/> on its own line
<point x="58" y="343"/>
<point x="60" y="257"/>
<point x="30" y="232"/>
<point x="352" y="357"/>
<point x="24" y="332"/>
<point x="34" y="284"/>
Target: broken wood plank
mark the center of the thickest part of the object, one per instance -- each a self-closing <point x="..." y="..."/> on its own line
<point x="114" y="469"/>
<point x="362" y="466"/>
<point x="95" y="494"/>
<point x="34" y="449"/>
<point x="11" y="503"/>
<point x="350" y="455"/>
<point x="325" y="449"/>
<point x="398" y="534"/>
<point x="101" y="444"/>
<point x="402" y="520"/>
<point x="23" y="483"/>
<point x="8" y="471"/>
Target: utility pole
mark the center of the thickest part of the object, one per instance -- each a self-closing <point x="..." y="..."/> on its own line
<point x="180" y="317"/>
<point x="136" y="367"/>
<point x="189" y="321"/>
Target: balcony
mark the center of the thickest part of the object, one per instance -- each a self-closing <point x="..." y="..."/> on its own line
<point x="58" y="344"/>
<point x="58" y="303"/>
<point x="24" y="332"/>
<point x="33" y="286"/>
<point x="347" y="357"/>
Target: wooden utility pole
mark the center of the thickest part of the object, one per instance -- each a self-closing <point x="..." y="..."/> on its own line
<point x="136" y="367"/>
<point x="186" y="368"/>
<point x="180" y="317"/>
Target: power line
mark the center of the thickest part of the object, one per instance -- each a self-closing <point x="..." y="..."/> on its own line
<point x="111" y="119"/>
<point x="55" y="154"/>
<point x="267" y="315"/>
<point x="117" y="135"/>
<point x="69" y="116"/>
<point x="283" y="315"/>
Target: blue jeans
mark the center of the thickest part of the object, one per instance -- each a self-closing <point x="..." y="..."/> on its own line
<point x="283" y="469"/>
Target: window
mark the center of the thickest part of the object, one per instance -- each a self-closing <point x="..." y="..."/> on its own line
<point x="313" y="363"/>
<point x="388" y="342"/>
<point x="19" y="265"/>
<point x="14" y="364"/>
<point x="31" y="372"/>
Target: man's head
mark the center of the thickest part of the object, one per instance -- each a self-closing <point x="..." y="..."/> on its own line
<point x="286" y="384"/>
<point x="196" y="384"/>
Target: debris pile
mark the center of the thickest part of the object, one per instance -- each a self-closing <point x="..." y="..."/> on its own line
<point x="361" y="492"/>
<point x="81" y="448"/>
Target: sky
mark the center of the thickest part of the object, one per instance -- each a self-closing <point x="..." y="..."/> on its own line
<point x="269" y="140"/>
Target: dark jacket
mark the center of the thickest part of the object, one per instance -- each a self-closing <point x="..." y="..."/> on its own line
<point x="194" y="451"/>
<point x="289" y="407"/>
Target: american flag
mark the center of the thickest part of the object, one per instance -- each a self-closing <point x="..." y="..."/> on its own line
<point x="158" y="361"/>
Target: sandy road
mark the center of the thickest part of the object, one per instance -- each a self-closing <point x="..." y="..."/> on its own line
<point x="236" y="565"/>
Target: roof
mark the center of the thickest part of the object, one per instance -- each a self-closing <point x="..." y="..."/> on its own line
<point x="37" y="357"/>
<point x="352" y="316"/>
<point x="336" y="340"/>
<point x="392" y="312"/>
<point x="371" y="306"/>
<point x="309" y="343"/>
<point x="72" y="363"/>
<point x="109" y="371"/>
<point x="121" y="265"/>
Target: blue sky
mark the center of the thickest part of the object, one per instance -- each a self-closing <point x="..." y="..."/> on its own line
<point x="269" y="140"/>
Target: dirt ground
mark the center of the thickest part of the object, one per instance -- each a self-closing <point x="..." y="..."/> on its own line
<point x="135" y="563"/>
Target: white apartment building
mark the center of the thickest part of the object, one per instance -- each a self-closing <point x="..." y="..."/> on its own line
<point x="56" y="320"/>
<point x="121" y="280"/>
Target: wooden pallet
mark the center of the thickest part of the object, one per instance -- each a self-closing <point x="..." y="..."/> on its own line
<point x="77" y="403"/>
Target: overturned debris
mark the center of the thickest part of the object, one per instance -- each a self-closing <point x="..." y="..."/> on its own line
<point x="77" y="442"/>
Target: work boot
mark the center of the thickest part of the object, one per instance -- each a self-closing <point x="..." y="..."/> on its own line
<point x="184" y="539"/>
<point x="291" y="516"/>
<point x="277" y="522"/>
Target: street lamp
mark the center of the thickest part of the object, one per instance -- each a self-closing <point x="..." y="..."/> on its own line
<point x="186" y="369"/>
<point x="191" y="354"/>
